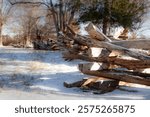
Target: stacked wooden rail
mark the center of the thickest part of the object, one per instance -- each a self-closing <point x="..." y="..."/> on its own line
<point x="114" y="68"/>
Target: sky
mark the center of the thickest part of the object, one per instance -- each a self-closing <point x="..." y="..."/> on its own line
<point x="145" y="30"/>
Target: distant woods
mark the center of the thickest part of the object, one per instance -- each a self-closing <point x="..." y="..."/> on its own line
<point x="5" y="10"/>
<point x="46" y="19"/>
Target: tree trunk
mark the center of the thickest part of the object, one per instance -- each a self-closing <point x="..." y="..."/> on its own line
<point x="1" y="37"/>
<point x="106" y="18"/>
<point x="60" y="15"/>
<point x="54" y="17"/>
<point x="105" y="25"/>
<point x="71" y="17"/>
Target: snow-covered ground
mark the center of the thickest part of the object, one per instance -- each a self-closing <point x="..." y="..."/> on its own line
<point x="32" y="74"/>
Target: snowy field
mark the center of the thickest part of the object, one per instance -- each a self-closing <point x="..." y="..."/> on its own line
<point x="32" y="74"/>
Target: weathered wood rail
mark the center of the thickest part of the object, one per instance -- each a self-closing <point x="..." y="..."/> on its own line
<point x="129" y="69"/>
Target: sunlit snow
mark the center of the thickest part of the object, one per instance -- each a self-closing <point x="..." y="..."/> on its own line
<point x="44" y="72"/>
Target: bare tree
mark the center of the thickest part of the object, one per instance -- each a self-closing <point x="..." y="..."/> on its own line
<point x="62" y="11"/>
<point x="4" y="15"/>
<point x="28" y="19"/>
<point x="45" y="30"/>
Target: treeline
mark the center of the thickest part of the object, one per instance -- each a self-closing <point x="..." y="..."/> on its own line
<point x="45" y="19"/>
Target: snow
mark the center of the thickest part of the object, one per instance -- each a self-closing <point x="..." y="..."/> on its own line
<point x="82" y="30"/>
<point x="118" y="32"/>
<point x="36" y="74"/>
<point x="96" y="51"/>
